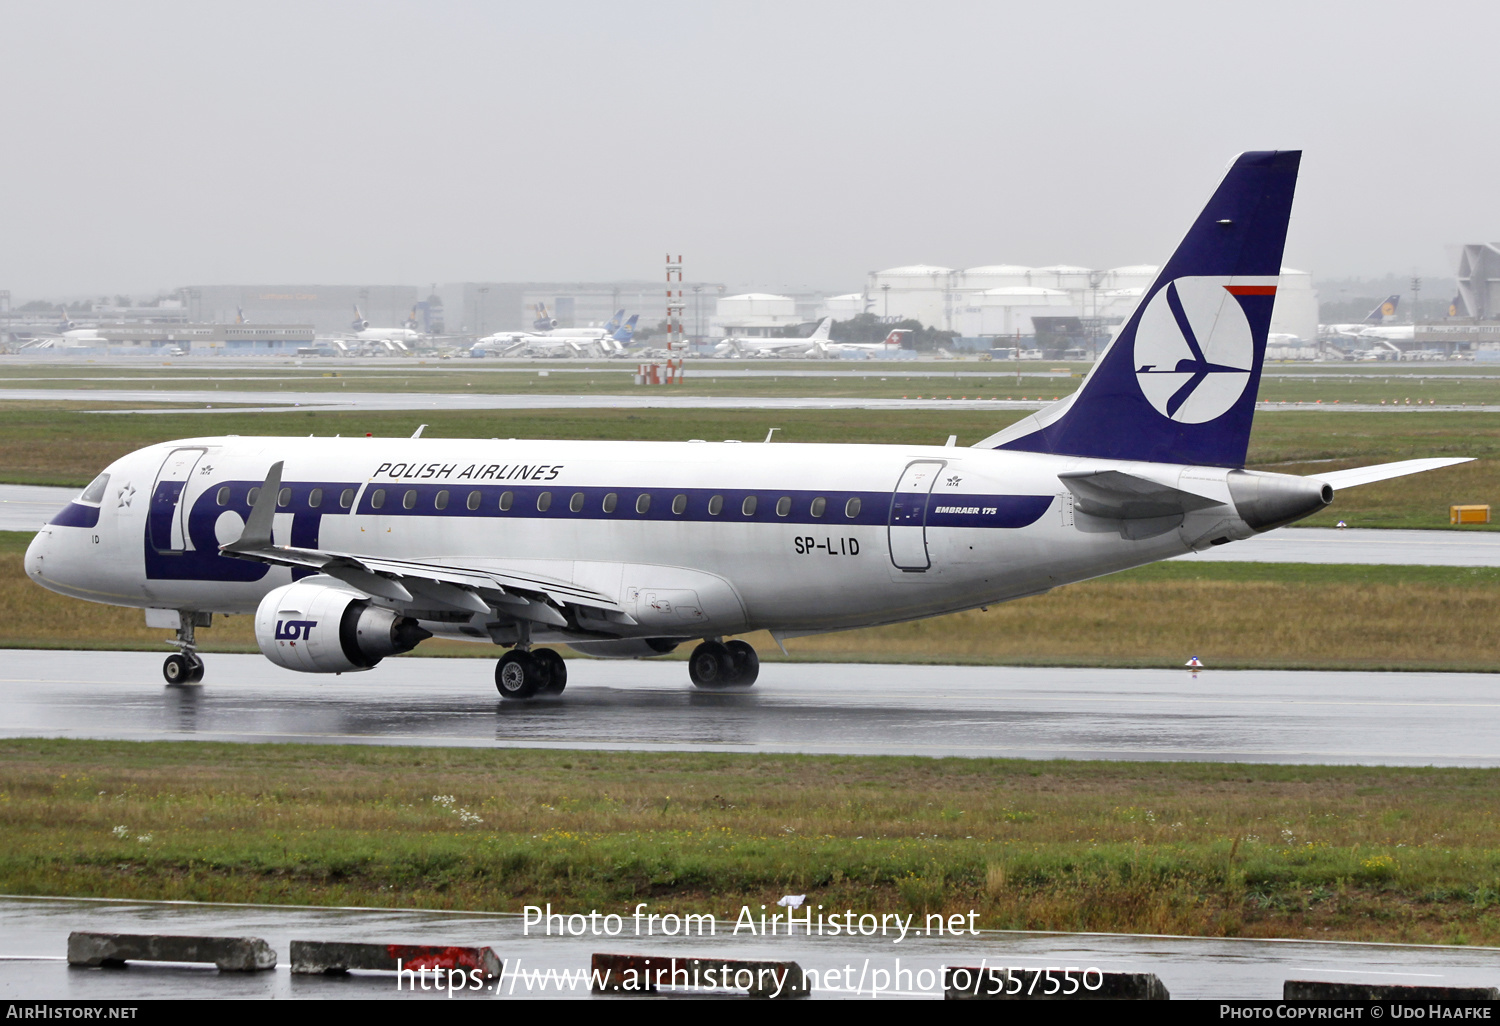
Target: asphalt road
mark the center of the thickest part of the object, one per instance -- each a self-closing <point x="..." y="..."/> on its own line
<point x="34" y="933"/>
<point x="1444" y="719"/>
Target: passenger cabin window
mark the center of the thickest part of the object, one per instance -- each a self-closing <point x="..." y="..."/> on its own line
<point x="851" y="508"/>
<point x="544" y="502"/>
<point x="506" y="499"/>
<point x="576" y="502"/>
<point x="284" y="497"/>
<point x="346" y="498"/>
<point x="818" y="506"/>
<point x="748" y="506"/>
<point x="474" y="500"/>
<point x="315" y="498"/>
<point x="610" y="501"/>
<point x="95" y="491"/>
<point x="252" y="495"/>
<point x="223" y="497"/>
<point x="409" y="500"/>
<point x="679" y="505"/>
<point x="441" y="501"/>
<point x="643" y="502"/>
<point x="715" y="505"/>
<point x="783" y="505"/>
<point x="378" y="499"/>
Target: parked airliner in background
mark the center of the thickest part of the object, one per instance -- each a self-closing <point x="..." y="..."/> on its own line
<point x="360" y="330"/>
<point x="609" y="340"/>
<point x="890" y="344"/>
<point x="1383" y="313"/>
<point x="348" y="550"/>
<point x="737" y="347"/>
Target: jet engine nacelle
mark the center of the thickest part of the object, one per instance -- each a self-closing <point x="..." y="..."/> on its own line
<point x="320" y="625"/>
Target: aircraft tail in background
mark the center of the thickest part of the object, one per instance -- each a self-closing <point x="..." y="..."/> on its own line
<point x="359" y="323"/>
<point x="626" y="331"/>
<point x="1179" y="381"/>
<point x="544" y="320"/>
<point x="1385" y="311"/>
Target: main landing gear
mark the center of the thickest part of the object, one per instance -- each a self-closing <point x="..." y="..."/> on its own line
<point x="715" y="664"/>
<point x="184" y="667"/>
<point x="522" y="673"/>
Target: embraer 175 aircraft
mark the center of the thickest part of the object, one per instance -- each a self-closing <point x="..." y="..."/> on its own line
<point x="348" y="550"/>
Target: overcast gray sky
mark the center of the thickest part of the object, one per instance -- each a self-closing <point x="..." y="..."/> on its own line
<point x="154" y="145"/>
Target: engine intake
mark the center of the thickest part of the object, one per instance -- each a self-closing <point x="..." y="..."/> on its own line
<point x="320" y="625"/>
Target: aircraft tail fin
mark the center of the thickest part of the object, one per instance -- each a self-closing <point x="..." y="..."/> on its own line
<point x="1385" y="311"/>
<point x="359" y="323"/>
<point x="1457" y="308"/>
<point x="820" y="333"/>
<point x="626" y="331"/>
<point x="1178" y="382"/>
<point x="613" y="324"/>
<point x="239" y="315"/>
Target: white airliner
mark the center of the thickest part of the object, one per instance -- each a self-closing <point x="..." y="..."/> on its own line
<point x="347" y="550"/>
<point x="889" y="345"/>
<point x="360" y="329"/>
<point x="737" y="347"/>
<point x="609" y="340"/>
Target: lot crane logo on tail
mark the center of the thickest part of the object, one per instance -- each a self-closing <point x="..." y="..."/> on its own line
<point x="1194" y="350"/>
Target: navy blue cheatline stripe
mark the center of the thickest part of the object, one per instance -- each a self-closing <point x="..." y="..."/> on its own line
<point x="1004" y="511"/>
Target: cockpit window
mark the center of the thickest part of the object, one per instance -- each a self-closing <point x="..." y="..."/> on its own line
<point x="95" y="491"/>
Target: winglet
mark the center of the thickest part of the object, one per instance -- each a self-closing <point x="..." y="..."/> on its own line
<point x="257" y="532"/>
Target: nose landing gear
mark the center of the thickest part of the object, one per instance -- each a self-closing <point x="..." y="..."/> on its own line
<point x="184" y="666"/>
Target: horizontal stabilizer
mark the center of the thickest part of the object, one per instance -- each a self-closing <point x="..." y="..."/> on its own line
<point x="1120" y="496"/>
<point x="1386" y="471"/>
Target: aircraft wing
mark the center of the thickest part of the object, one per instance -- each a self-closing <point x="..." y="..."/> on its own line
<point x="1385" y="471"/>
<point x="524" y="595"/>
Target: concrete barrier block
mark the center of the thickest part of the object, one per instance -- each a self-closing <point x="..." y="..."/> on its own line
<point x="637" y="975"/>
<point x="341" y="956"/>
<point x="1314" y="990"/>
<point x="230" y="954"/>
<point x="973" y="983"/>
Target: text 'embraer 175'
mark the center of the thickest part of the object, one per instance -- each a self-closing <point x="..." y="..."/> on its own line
<point x="348" y="550"/>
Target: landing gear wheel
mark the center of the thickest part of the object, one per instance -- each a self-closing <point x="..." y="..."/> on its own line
<point x="518" y="675"/>
<point x="556" y="669"/>
<point x="746" y="664"/>
<point x="178" y="670"/>
<point x="195" y="669"/>
<point x="711" y="665"/>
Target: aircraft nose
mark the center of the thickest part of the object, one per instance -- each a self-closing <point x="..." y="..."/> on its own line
<point x="36" y="554"/>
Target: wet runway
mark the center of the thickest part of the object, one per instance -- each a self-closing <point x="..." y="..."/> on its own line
<point x="34" y="932"/>
<point x="1442" y="719"/>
